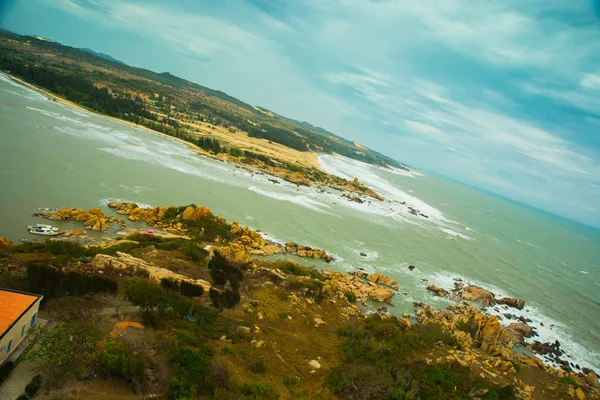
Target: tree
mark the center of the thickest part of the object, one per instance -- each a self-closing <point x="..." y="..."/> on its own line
<point x="73" y="309"/>
<point x="70" y="347"/>
<point x="117" y="301"/>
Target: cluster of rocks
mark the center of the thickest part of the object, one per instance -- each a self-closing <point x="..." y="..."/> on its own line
<point x="93" y="218"/>
<point x="516" y="332"/>
<point x="416" y="212"/>
<point x="377" y="278"/>
<point x="166" y="217"/>
<point x="361" y="288"/>
<point x="475" y="293"/>
<point x="305" y="251"/>
<point x="5" y="243"/>
<point x="351" y="197"/>
<point x="482" y="344"/>
<point x="127" y="265"/>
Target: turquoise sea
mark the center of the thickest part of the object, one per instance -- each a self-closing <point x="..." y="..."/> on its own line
<point x="52" y="155"/>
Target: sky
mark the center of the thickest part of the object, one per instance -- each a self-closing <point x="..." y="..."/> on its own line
<point x="501" y="95"/>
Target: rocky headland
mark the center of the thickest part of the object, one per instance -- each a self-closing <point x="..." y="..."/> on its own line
<point x="184" y="241"/>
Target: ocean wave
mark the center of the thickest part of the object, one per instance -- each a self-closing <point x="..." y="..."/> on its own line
<point x="54" y="115"/>
<point x="455" y="234"/>
<point x="28" y="93"/>
<point x="402" y="172"/>
<point x="349" y="169"/>
<point x="301" y="200"/>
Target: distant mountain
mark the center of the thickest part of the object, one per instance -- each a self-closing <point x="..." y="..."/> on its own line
<point x="102" y="55"/>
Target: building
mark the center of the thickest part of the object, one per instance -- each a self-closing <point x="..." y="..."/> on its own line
<point x="18" y="313"/>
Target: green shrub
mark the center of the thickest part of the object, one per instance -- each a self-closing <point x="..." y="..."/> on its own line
<point x="149" y="295"/>
<point x="27" y="247"/>
<point x="291" y="268"/>
<point x="121" y="360"/>
<point x="190" y="290"/>
<point x="516" y="366"/>
<point x="283" y="315"/>
<point x="170" y="284"/>
<point x="33" y="386"/>
<point x="568" y="381"/>
<point x="23" y="397"/>
<point x="442" y="381"/>
<point x="192" y="365"/>
<point x="5" y="370"/>
<point x="222" y="272"/>
<point x="52" y="282"/>
<point x="259" y="391"/>
<point x="193" y="251"/>
<point x="180" y="389"/>
<point x="291" y="380"/>
<point x="13" y="279"/>
<point x="235" y="152"/>
<point x="350" y="296"/>
<point x="257" y="364"/>
<point x="72" y="309"/>
<point x="65" y="247"/>
<point x="225" y="298"/>
<point x="357" y="381"/>
<point x="503" y="393"/>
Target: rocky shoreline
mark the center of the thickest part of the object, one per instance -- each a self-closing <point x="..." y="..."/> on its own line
<point x="518" y="330"/>
<point x="482" y="341"/>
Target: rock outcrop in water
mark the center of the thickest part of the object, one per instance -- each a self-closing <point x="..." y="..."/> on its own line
<point x="474" y="293"/>
<point x="512" y="302"/>
<point x="93" y="218"/>
<point x="305" y="251"/>
<point x="437" y="291"/>
<point x="377" y="278"/>
<point x="519" y="331"/>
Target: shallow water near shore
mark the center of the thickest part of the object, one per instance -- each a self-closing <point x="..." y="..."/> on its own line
<point x="53" y="156"/>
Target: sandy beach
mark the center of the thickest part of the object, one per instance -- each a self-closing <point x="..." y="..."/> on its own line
<point x="243" y="141"/>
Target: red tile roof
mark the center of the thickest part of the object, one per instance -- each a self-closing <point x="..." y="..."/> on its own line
<point x="12" y="305"/>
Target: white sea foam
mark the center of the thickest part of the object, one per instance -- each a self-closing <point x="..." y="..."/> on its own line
<point x="24" y="90"/>
<point x="272" y="238"/>
<point x="411" y="173"/>
<point x="301" y="199"/>
<point x="349" y="169"/>
<point x="455" y="234"/>
<point x="55" y="115"/>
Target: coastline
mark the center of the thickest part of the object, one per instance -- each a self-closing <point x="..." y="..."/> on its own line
<point x="52" y="97"/>
<point x="67" y="103"/>
<point x="291" y="176"/>
<point x="479" y="341"/>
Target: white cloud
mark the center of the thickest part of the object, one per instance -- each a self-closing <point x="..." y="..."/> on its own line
<point x="426" y="81"/>
<point x="591" y="81"/>
<point x="424" y="129"/>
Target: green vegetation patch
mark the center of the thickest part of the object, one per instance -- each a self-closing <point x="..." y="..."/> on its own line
<point x="292" y="268"/>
